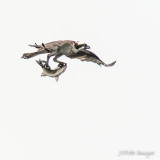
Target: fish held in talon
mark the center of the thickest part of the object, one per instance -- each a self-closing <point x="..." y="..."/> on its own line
<point x="54" y="73"/>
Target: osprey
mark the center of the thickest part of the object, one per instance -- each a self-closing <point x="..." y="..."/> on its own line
<point x="71" y="49"/>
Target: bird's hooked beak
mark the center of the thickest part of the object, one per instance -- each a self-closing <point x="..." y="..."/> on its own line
<point x="80" y="45"/>
<point x="87" y="47"/>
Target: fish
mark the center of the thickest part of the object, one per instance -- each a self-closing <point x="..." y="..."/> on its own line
<point x="54" y="73"/>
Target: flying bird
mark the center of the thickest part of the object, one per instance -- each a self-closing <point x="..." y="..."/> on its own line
<point x="71" y="49"/>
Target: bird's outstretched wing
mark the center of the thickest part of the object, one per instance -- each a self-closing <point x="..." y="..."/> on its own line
<point x="52" y="45"/>
<point x="85" y="55"/>
<point x="46" y="48"/>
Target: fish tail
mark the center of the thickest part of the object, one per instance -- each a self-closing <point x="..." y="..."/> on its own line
<point x="39" y="62"/>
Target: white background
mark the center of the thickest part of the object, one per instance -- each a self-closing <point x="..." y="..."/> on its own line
<point x="93" y="112"/>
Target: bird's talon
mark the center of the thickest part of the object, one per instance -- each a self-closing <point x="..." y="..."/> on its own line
<point x="47" y="66"/>
<point x="61" y="64"/>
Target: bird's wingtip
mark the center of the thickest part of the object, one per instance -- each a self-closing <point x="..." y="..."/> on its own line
<point x="111" y="64"/>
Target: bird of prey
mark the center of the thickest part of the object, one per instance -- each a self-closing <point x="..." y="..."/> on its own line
<point x="71" y="49"/>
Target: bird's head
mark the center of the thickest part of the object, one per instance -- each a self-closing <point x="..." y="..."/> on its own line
<point x="83" y="45"/>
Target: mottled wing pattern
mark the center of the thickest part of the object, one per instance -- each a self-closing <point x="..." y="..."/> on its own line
<point x="85" y="55"/>
<point x="46" y="48"/>
<point x="56" y="44"/>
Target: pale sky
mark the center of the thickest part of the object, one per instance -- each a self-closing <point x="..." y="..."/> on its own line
<point x="93" y="112"/>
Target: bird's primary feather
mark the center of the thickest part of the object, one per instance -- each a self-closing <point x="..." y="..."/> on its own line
<point x="86" y="55"/>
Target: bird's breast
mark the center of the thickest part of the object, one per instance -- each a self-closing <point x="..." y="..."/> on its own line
<point x="66" y="49"/>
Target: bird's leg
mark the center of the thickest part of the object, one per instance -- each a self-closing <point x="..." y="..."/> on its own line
<point x="49" y="56"/>
<point x="55" y="59"/>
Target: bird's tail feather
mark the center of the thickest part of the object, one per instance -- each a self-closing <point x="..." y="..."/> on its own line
<point x="30" y="55"/>
<point x="33" y="54"/>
